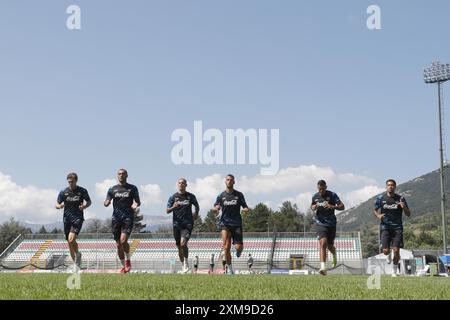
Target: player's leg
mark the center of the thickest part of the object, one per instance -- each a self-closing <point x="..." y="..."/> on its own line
<point x="226" y="240"/>
<point x="67" y="228"/>
<point x="185" y="236"/>
<point x="116" y="231"/>
<point x="397" y="243"/>
<point x="127" y="227"/>
<point x="226" y="244"/>
<point x="323" y="244"/>
<point x="238" y="240"/>
<point x="330" y="239"/>
<point x="322" y="235"/>
<point x="386" y="244"/>
<point x="177" y="237"/>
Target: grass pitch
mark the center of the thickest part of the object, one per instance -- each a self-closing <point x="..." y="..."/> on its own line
<point x="218" y="287"/>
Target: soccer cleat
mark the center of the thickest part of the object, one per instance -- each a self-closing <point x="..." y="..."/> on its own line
<point x="122" y="270"/>
<point x="334" y="261"/>
<point x="323" y="272"/>
<point x="127" y="267"/>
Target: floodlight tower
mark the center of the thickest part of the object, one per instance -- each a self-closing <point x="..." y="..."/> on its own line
<point x="439" y="73"/>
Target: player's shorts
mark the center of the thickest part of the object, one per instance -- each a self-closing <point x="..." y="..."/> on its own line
<point x="326" y="232"/>
<point x="183" y="232"/>
<point x="121" y="225"/>
<point x="391" y="238"/>
<point x="72" y="226"/>
<point x="236" y="234"/>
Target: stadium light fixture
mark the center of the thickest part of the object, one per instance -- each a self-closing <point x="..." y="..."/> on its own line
<point x="439" y="73"/>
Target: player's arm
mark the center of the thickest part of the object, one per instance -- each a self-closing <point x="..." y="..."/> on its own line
<point x="339" y="205"/>
<point x="196" y="206"/>
<point x="136" y="199"/>
<point x="60" y="201"/>
<point x="171" y="204"/>
<point x="87" y="202"/>
<point x="313" y="205"/>
<point x="217" y="206"/>
<point x="109" y="196"/>
<point x="243" y="203"/>
<point x="405" y="207"/>
<point x="377" y="211"/>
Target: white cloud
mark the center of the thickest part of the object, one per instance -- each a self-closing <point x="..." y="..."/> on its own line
<point x="29" y="203"/>
<point x="150" y="194"/>
<point x="206" y="190"/>
<point x="301" y="178"/>
<point x="101" y="188"/>
<point x="356" y="197"/>
<point x="295" y="184"/>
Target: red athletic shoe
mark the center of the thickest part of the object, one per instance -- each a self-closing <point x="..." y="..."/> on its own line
<point x="122" y="270"/>
<point x="127" y="266"/>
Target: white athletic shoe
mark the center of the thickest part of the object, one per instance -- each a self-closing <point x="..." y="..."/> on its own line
<point x="186" y="268"/>
<point x="230" y="270"/>
<point x="389" y="258"/>
<point x="395" y="270"/>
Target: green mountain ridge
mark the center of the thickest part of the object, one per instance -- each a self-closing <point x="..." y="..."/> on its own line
<point x="422" y="195"/>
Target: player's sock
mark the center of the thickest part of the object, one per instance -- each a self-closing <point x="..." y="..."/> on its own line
<point x="122" y="261"/>
<point x="127" y="255"/>
<point x="323" y="265"/>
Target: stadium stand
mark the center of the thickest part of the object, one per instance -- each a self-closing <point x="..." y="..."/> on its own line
<point x="158" y="253"/>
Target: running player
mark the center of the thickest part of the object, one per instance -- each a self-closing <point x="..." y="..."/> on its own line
<point x="181" y="204"/>
<point x="324" y="202"/>
<point x="230" y="202"/>
<point x="250" y="262"/>
<point x="389" y="208"/>
<point x="74" y="199"/>
<point x="196" y="264"/>
<point x="211" y="264"/>
<point x="126" y="202"/>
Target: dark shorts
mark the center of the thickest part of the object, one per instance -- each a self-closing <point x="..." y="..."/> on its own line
<point x="391" y="238"/>
<point x="183" y="232"/>
<point x="72" y="226"/>
<point x="121" y="225"/>
<point x="236" y="234"/>
<point x="326" y="232"/>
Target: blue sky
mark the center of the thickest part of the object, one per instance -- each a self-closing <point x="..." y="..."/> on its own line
<point x="344" y="98"/>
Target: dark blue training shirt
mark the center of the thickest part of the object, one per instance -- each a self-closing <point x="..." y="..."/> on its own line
<point x="390" y="207"/>
<point x="122" y="197"/>
<point x="231" y="204"/>
<point x="182" y="215"/>
<point x="73" y="199"/>
<point x="325" y="217"/>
